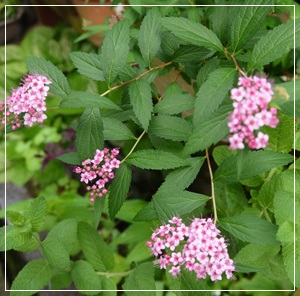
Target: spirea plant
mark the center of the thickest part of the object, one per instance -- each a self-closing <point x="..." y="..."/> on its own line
<point x="183" y="89"/>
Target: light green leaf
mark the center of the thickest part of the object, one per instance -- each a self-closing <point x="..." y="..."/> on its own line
<point x="55" y="253"/>
<point x="170" y="127"/>
<point x="188" y="282"/>
<point x="61" y="280"/>
<point x="36" y="213"/>
<point x="220" y="153"/>
<point x="89" y="133"/>
<point x="247" y="21"/>
<point x="142" y="278"/>
<point x="119" y="189"/>
<point x="79" y="99"/>
<point x="94" y="248"/>
<point x="246" y="164"/>
<point x="34" y="276"/>
<point x="250" y="229"/>
<point x="175" y="104"/>
<point x="116" y="130"/>
<point x="289" y="252"/>
<point x="283" y="206"/>
<point x="85" y="278"/>
<point x="59" y="85"/>
<point x="115" y="49"/>
<point x="192" y="32"/>
<point x="141" y="101"/>
<point x="275" y="44"/>
<point x="155" y="160"/>
<point x="212" y="93"/>
<point x="70" y="158"/>
<point x="16" y="237"/>
<point x="108" y="284"/>
<point x="285" y="232"/>
<point x="16" y="218"/>
<point x="88" y="64"/>
<point x="209" y="131"/>
<point x="150" y="35"/>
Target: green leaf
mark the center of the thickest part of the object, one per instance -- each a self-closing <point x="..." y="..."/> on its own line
<point x="34" y="276"/>
<point x="98" y="209"/>
<point x="208" y="132"/>
<point x="115" y="49"/>
<point x="70" y="158"/>
<point x="148" y="213"/>
<point x="289" y="253"/>
<point x="66" y="233"/>
<point x="155" y="160"/>
<point x="255" y="257"/>
<point x="283" y="206"/>
<point x="16" y="218"/>
<point x="246" y="22"/>
<point x="169" y="203"/>
<point x="186" y="54"/>
<point x="245" y="164"/>
<point x="281" y="138"/>
<point x="61" y="280"/>
<point x="55" y="253"/>
<point x="16" y="237"/>
<point x="108" y="284"/>
<point x="285" y="233"/>
<point x="275" y="44"/>
<point x="116" y="130"/>
<point x="212" y="93"/>
<point x="119" y="189"/>
<point x="142" y="278"/>
<point x="79" y="99"/>
<point x="150" y="35"/>
<point x="175" y="104"/>
<point x="36" y="213"/>
<point x="166" y="145"/>
<point x="89" y="133"/>
<point x="206" y="69"/>
<point x="170" y="127"/>
<point x="88" y="64"/>
<point x="85" y="278"/>
<point x="59" y="85"/>
<point x="141" y="101"/>
<point x="250" y="229"/>
<point x="188" y="282"/>
<point x="220" y="21"/>
<point x="192" y="32"/>
<point x="220" y="153"/>
<point x="94" y="248"/>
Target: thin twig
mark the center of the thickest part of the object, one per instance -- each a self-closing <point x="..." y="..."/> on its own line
<point x="235" y="62"/>
<point x="212" y="186"/>
<point x="178" y="74"/>
<point x="135" y="144"/>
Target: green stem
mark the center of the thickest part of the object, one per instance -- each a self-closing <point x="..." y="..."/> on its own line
<point x="270" y="175"/>
<point x="135" y="144"/>
<point x="265" y="212"/>
<point x="115" y="274"/>
<point x="212" y="186"/>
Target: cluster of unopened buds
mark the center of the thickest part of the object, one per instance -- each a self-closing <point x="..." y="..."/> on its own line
<point x="8" y="117"/>
<point x="250" y="114"/>
<point x="28" y="99"/>
<point x="198" y="247"/>
<point x="98" y="171"/>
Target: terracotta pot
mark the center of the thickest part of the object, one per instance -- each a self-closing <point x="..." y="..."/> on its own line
<point x="94" y="15"/>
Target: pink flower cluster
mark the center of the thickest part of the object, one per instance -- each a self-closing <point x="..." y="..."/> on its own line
<point x="251" y="112"/>
<point x="198" y="247"/>
<point x="29" y="98"/>
<point x="99" y="171"/>
<point x="9" y="118"/>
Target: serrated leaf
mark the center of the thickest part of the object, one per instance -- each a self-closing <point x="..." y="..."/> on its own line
<point x="59" y="85"/>
<point x="142" y="278"/>
<point x="35" y="275"/>
<point x="220" y="20"/>
<point x="148" y="213"/>
<point x="155" y="160"/>
<point x="209" y="131"/>
<point x="94" y="248"/>
<point x="119" y="189"/>
<point x="283" y="206"/>
<point x="15" y="237"/>
<point x="36" y="213"/>
<point x="246" y="22"/>
<point x="60" y="280"/>
<point x="88" y="64"/>
<point x="81" y="99"/>
<point x="206" y="69"/>
<point x="293" y="268"/>
<point x="66" y="233"/>
<point x="116" y="130"/>
<point x="141" y="101"/>
<point x="275" y="44"/>
<point x="55" y="253"/>
<point x="89" y="133"/>
<point x="190" y="53"/>
<point x="16" y="218"/>
<point x="244" y="164"/>
<point x="192" y="32"/>
<point x="170" y="127"/>
<point x="85" y="278"/>
<point x="70" y="158"/>
<point x="166" y="145"/>
<point x="281" y="138"/>
<point x="220" y="153"/>
<point x="175" y="104"/>
<point x="212" y="93"/>
<point x="285" y="233"/>
<point x="179" y="203"/>
<point x="250" y="229"/>
<point x="115" y="49"/>
<point x="150" y="35"/>
<point x="98" y="209"/>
